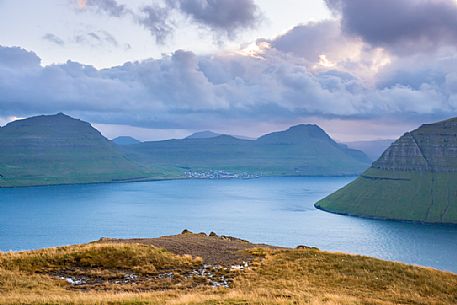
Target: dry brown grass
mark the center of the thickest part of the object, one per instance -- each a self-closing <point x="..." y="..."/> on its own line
<point x="302" y="276"/>
<point x="107" y="256"/>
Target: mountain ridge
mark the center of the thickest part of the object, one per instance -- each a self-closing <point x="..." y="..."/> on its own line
<point x="301" y="150"/>
<point x="58" y="149"/>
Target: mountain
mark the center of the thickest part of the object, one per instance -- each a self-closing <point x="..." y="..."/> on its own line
<point x="303" y="150"/>
<point x="373" y="149"/>
<point x="125" y="140"/>
<point x="415" y="179"/>
<point x="203" y="135"/>
<point x="57" y="149"/>
<point x="207" y="134"/>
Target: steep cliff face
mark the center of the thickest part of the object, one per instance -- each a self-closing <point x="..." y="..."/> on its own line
<point x="403" y="155"/>
<point x="414" y="179"/>
<point x="432" y="147"/>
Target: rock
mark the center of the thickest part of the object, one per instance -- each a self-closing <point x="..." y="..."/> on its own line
<point x="306" y="247"/>
<point x="212" y="234"/>
<point x="105" y="239"/>
<point x="185" y="231"/>
<point x="231" y="238"/>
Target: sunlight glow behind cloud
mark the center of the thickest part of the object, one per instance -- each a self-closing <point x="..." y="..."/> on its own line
<point x="82" y="4"/>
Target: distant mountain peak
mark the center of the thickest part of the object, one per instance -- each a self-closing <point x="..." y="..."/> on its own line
<point x="208" y="134"/>
<point x="59" y="115"/>
<point x="205" y="134"/>
<point x="125" y="140"/>
<point x="310" y="129"/>
<point x="225" y="137"/>
<point x="304" y="126"/>
<point x="297" y="133"/>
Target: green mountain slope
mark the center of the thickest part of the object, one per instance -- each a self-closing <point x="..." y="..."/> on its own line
<point x="57" y="149"/>
<point x="303" y="150"/>
<point x="415" y="179"/>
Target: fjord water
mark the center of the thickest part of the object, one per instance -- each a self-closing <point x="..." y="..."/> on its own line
<point x="277" y="211"/>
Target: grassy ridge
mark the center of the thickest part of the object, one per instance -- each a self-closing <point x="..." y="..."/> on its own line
<point x="414" y="196"/>
<point x="300" y="276"/>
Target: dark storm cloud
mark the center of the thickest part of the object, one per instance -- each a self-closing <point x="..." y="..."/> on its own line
<point x="53" y="39"/>
<point x="402" y="26"/>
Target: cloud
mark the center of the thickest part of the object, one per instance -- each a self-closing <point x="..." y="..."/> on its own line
<point x="157" y="20"/>
<point x="311" y="40"/>
<point x="53" y="39"/>
<point x="15" y="57"/>
<point x="224" y="17"/>
<point x="323" y="46"/>
<point x="110" y="7"/>
<point x="400" y="26"/>
<point x="185" y="90"/>
<point x="96" y="39"/>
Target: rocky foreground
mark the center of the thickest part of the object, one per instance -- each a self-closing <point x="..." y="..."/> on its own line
<point x="208" y="269"/>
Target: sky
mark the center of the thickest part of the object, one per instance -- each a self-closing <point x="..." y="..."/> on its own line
<point x="158" y="69"/>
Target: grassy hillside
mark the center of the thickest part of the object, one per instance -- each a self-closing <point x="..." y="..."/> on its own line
<point x="415" y="179"/>
<point x="425" y="197"/>
<point x="303" y="150"/>
<point x="58" y="149"/>
<point x="136" y="273"/>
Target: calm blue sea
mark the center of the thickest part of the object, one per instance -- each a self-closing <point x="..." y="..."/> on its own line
<point x="277" y="211"/>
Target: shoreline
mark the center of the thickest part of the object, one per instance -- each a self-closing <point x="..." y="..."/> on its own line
<point x="134" y="180"/>
<point x="386" y="219"/>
